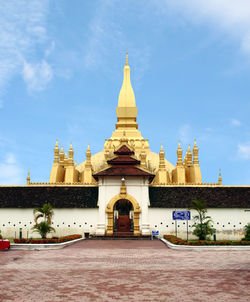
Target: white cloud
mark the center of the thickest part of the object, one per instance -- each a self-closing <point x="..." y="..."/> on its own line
<point x="10" y="171"/>
<point x="101" y="32"/>
<point x="227" y="16"/>
<point x="22" y="29"/>
<point x="37" y="76"/>
<point x="185" y="133"/>
<point x="50" y="49"/>
<point x="107" y="40"/>
<point x="244" y="150"/>
<point x="235" y="122"/>
<point x="10" y="159"/>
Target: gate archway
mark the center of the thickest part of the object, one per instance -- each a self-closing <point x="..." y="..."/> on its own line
<point x="110" y="212"/>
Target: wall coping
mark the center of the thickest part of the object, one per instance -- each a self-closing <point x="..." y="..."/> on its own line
<point x="199" y="186"/>
<point x="96" y="185"/>
<point x="42" y="246"/>
<point x="206" y="247"/>
<point x="48" y="185"/>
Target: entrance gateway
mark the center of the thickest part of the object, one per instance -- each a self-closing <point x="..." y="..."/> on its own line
<point x="123" y="214"/>
<point x="123" y="195"/>
<point x="123" y="217"/>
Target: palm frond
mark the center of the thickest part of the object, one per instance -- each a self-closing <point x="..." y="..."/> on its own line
<point x="37" y="216"/>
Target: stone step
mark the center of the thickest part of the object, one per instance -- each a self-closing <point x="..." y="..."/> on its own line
<point x="120" y="236"/>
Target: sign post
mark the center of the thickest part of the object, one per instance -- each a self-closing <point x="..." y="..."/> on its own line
<point x="181" y="215"/>
<point x="155" y="233"/>
<point x="175" y="228"/>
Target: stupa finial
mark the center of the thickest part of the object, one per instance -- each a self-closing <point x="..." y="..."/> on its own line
<point x="126" y="96"/>
<point x="28" y="177"/>
<point x="220" y="178"/>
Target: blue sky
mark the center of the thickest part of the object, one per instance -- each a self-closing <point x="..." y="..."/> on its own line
<point x="61" y="66"/>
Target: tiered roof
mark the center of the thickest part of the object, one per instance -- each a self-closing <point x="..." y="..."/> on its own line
<point x="124" y="164"/>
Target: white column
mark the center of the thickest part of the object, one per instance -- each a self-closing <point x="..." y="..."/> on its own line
<point x="145" y="230"/>
<point x="101" y="225"/>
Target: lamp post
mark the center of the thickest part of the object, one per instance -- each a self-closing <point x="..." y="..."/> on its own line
<point x="214" y="235"/>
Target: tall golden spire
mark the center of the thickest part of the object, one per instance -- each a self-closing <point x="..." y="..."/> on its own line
<point x="162" y="165"/>
<point x="61" y="155"/>
<point x="28" y="177"/>
<point x="162" y="176"/>
<point x="86" y="176"/>
<point x="126" y="96"/>
<point x="56" y="153"/>
<point x="179" y="155"/>
<point x="65" y="157"/>
<point x="195" y="154"/>
<point x="189" y="157"/>
<point x="88" y="158"/>
<point x="71" y="155"/>
<point x="126" y="110"/>
<point x="220" y="178"/>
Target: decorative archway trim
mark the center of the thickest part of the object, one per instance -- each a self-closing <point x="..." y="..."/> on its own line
<point x="110" y="212"/>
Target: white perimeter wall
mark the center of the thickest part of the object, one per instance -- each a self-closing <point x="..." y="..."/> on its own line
<point x="65" y="222"/>
<point x="229" y="223"/>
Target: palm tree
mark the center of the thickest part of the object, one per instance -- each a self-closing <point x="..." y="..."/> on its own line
<point x="46" y="212"/>
<point x="43" y="228"/>
<point x="203" y="227"/>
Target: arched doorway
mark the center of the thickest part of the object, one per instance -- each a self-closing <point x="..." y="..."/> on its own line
<point x="127" y="203"/>
<point x="123" y="216"/>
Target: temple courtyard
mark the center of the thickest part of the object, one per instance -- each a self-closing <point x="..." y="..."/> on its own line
<point x="124" y="270"/>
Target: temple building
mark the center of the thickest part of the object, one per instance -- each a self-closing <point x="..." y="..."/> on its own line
<point x="125" y="188"/>
<point x="186" y="170"/>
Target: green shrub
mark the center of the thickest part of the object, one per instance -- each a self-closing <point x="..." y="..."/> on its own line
<point x="202" y="227"/>
<point x="247" y="231"/>
<point x="43" y="228"/>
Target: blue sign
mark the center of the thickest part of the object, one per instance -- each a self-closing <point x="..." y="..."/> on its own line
<point x="155" y="233"/>
<point x="181" y="215"/>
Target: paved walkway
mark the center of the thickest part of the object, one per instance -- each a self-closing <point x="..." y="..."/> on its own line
<point x="124" y="270"/>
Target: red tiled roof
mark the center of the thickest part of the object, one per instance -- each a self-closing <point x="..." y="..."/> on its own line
<point x="124" y="150"/>
<point x="123" y="165"/>
<point x="123" y="159"/>
<point x="123" y="171"/>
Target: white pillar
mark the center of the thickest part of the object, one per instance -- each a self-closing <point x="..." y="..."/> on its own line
<point x="101" y="225"/>
<point x="145" y="230"/>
